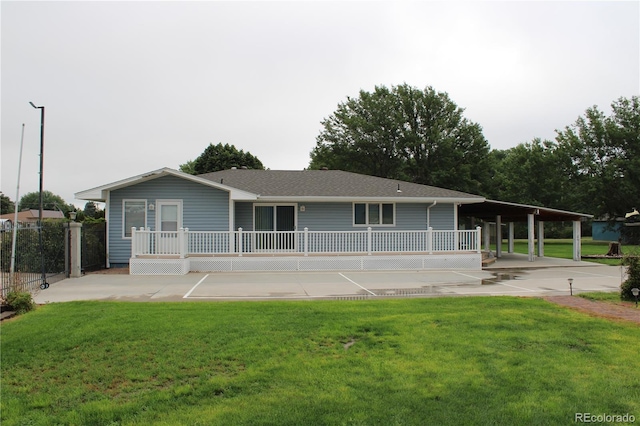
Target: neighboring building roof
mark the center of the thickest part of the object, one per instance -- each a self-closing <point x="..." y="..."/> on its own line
<point x="33" y="215"/>
<point x="331" y="184"/>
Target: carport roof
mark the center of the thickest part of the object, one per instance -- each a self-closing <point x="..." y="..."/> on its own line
<point x="512" y="212"/>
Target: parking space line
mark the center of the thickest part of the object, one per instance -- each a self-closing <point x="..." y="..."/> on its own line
<point x="194" y="287"/>
<point x="465" y="275"/>
<point x="352" y="281"/>
<point x="515" y="286"/>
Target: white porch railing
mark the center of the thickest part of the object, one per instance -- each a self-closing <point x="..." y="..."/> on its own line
<point x="183" y="243"/>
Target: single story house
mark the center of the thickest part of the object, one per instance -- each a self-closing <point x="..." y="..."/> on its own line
<point x="169" y="222"/>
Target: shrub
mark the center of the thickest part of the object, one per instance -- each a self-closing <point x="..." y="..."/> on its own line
<point x="20" y="302"/>
<point x="632" y="262"/>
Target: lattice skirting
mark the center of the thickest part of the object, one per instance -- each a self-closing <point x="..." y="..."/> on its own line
<point x="159" y="266"/>
<point x="467" y="261"/>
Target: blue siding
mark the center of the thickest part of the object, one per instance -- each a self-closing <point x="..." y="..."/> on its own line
<point x="336" y="216"/>
<point x="203" y="209"/>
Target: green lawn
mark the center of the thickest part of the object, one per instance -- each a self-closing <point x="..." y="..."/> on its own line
<point x="563" y="248"/>
<point x="441" y="361"/>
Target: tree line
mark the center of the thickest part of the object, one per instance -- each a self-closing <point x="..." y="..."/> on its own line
<point x="422" y="136"/>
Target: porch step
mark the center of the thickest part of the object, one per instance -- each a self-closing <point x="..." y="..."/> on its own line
<point x="488" y="258"/>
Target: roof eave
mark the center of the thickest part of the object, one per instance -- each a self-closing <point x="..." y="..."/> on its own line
<point x="309" y="199"/>
<point x="101" y="193"/>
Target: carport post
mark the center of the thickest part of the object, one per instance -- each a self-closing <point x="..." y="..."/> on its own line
<point x="511" y="237"/>
<point x="498" y="236"/>
<point x="487" y="236"/>
<point x="577" y="241"/>
<point x="531" y="232"/>
<point x="540" y="238"/>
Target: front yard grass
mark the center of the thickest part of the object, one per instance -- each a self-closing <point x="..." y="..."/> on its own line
<point x="563" y="248"/>
<point x="444" y="361"/>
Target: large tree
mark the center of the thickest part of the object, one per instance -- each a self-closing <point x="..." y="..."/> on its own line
<point x="528" y="174"/>
<point x="601" y="159"/>
<point x="221" y="157"/>
<point x="405" y="133"/>
<point x="50" y="201"/>
<point x="6" y="205"/>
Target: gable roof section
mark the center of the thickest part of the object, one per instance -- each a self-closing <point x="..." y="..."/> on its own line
<point x="100" y="193"/>
<point x="326" y="185"/>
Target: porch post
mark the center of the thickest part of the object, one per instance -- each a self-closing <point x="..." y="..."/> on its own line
<point x="540" y="238"/>
<point x="577" y="241"/>
<point x="240" y="242"/>
<point x="306" y="241"/>
<point x="369" y="241"/>
<point x="76" y="250"/>
<point x="498" y="236"/>
<point x="511" y="235"/>
<point x="478" y="236"/>
<point x="531" y="232"/>
<point x="430" y="240"/>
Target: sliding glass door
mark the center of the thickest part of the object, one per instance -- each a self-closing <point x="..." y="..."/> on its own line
<point x="274" y="225"/>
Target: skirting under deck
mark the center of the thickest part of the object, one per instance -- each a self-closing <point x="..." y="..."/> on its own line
<point x="463" y="261"/>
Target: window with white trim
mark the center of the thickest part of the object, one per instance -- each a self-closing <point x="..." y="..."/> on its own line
<point x="134" y="213"/>
<point x="366" y="214"/>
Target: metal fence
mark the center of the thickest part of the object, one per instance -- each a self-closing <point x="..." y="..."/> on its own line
<point x="36" y="264"/>
<point x="94" y="247"/>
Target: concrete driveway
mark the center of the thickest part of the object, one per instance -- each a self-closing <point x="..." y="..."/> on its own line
<point x="511" y="275"/>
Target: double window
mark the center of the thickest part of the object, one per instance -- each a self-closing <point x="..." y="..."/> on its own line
<point x="374" y="214"/>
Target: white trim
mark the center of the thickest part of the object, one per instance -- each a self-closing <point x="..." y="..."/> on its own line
<point x="124" y="201"/>
<point x="100" y="193"/>
<point x="367" y="224"/>
<point x="107" y="217"/>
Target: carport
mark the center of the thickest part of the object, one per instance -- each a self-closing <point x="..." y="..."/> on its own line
<point x="500" y="212"/>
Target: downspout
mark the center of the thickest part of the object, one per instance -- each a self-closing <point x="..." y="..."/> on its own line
<point x="429" y="213"/>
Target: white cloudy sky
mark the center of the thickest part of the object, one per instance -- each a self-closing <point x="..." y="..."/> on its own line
<point x="131" y="87"/>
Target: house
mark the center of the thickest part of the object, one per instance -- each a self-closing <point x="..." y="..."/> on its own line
<point x="169" y="222"/>
<point x="30" y="217"/>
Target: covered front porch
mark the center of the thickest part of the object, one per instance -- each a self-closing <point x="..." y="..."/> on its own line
<point x="183" y="251"/>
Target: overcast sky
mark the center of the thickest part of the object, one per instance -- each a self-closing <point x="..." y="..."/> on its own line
<point x="130" y="87"/>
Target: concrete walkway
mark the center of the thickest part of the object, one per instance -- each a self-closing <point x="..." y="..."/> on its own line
<point x="510" y="275"/>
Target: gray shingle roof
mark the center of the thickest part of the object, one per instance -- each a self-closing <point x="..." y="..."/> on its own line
<point x="327" y="183"/>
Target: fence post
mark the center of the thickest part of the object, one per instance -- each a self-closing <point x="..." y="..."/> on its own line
<point x="240" y="241"/>
<point x="369" y="236"/>
<point x="76" y="250"/>
<point x="134" y="245"/>
<point x="430" y="240"/>
<point x="478" y="239"/>
<point x="306" y="241"/>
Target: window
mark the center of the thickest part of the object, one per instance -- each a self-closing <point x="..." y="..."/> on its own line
<point x="373" y="214"/>
<point x="134" y="214"/>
